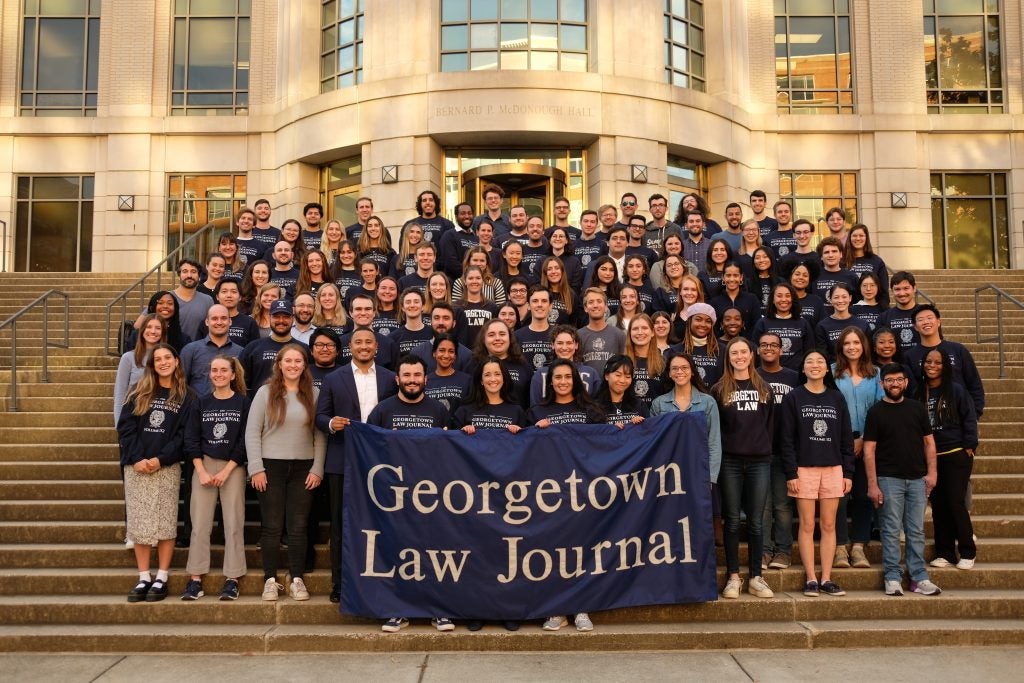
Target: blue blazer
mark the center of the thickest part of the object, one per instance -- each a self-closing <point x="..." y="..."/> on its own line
<point x="338" y="397"/>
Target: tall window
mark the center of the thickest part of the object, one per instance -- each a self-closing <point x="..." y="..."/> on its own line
<point x="210" y="75"/>
<point x="684" y="43"/>
<point x="684" y="177"/>
<point x="970" y="220"/>
<point x="963" y="67"/>
<point x="54" y="224"/>
<point x="542" y="35"/>
<point x="60" y="54"/>
<point x="340" y="186"/>
<point x="815" y="192"/>
<point x="813" y="63"/>
<point x="194" y="201"/>
<point x="341" y="44"/>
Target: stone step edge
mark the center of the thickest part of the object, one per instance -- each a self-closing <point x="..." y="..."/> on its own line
<point x="267" y="640"/>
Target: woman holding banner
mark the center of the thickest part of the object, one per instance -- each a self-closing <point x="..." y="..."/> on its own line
<point x="566" y="402"/>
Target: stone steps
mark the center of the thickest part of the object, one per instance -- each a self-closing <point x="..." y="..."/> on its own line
<point x="113" y="555"/>
<point x="420" y="637"/>
<point x="785" y="606"/>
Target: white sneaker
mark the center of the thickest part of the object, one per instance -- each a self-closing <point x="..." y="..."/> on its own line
<point x="940" y="562"/>
<point x="732" y="588"/>
<point x="297" y="589"/>
<point x="964" y="563"/>
<point x="583" y="622"/>
<point x="758" y="587"/>
<point x="270" y="589"/>
<point x="129" y="544"/>
<point x="555" y="623"/>
<point x="893" y="588"/>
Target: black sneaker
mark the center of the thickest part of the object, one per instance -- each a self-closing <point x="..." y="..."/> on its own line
<point x="193" y="590"/>
<point x="335" y="595"/>
<point x="230" y="590"/>
<point x="511" y="625"/>
<point x="157" y="591"/>
<point x="474" y="625"/>
<point x="833" y="589"/>
<point x="138" y="594"/>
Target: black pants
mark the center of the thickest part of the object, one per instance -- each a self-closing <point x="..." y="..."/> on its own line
<point x="335" y="483"/>
<point x="952" y="522"/>
<point x="286" y="498"/>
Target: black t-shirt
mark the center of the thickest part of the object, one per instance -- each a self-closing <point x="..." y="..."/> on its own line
<point x="312" y="239"/>
<point x="473" y="316"/>
<point x="565" y="414"/>
<point x="536" y="346"/>
<point x="451" y="390"/>
<point x="394" y="413"/>
<point x="616" y="413"/>
<point x="901" y="322"/>
<point x="645" y="386"/>
<point x="489" y="416"/>
<point x="286" y="279"/>
<point x="268" y="237"/>
<point x="899" y="430"/>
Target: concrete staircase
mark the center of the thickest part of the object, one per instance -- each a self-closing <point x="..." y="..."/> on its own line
<point x="64" y="570"/>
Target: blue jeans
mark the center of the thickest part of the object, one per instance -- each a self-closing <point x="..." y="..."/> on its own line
<point x="903" y="503"/>
<point x="778" y="513"/>
<point x="744" y="484"/>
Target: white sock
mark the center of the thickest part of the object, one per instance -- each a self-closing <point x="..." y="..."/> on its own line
<point x="161" y="575"/>
<point x="296" y="579"/>
<point x="145" y="576"/>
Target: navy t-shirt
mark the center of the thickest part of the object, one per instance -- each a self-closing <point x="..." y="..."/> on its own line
<point x="394" y="413"/>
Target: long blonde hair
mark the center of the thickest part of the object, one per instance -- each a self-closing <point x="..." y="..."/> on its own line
<point x="276" y="391"/>
<point x="655" y="359"/>
<point x="263" y="320"/>
<point x="339" y="319"/>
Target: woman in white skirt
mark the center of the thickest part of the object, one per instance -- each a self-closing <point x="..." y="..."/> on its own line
<point x="151" y="433"/>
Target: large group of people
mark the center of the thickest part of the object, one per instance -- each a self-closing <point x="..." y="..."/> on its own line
<point x="817" y="395"/>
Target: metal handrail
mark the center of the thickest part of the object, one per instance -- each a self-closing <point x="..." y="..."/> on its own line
<point x="140" y="284"/>
<point x="1000" y="295"/>
<point x="12" y="322"/>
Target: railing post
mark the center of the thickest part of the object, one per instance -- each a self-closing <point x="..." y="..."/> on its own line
<point x="14" y="366"/>
<point x="67" y="322"/>
<point x="999" y="331"/>
<point x="977" y="317"/>
<point x="46" y="337"/>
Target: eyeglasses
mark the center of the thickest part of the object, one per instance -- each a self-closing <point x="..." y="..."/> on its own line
<point x="679" y="368"/>
<point x="324" y="345"/>
<point x="628" y="203"/>
<point x="769" y="345"/>
<point x="891" y="381"/>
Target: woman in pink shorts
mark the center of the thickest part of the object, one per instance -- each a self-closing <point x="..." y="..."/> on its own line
<point x="816" y="444"/>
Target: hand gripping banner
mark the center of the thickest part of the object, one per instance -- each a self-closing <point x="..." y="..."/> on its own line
<point x="494" y="525"/>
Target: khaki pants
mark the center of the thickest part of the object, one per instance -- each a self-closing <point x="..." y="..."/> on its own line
<point x="203" y="505"/>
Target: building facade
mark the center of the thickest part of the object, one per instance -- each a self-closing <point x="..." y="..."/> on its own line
<point x="126" y="125"/>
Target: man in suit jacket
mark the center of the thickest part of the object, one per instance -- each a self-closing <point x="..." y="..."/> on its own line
<point x="349" y="393"/>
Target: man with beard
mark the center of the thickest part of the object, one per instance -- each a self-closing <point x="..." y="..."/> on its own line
<point x="263" y="231"/>
<point x="411" y="409"/>
<point x="258" y="357"/>
<point x="456" y="242"/>
<point x="695" y="244"/>
<point x="900" y="461"/>
<point x="733" y="233"/>
<point x="517" y="227"/>
<point x="312" y="233"/>
<point x="659" y="226"/>
<point x="561" y="209"/>
<point x="363" y="309"/>
<point x="192" y="304"/>
<point x="442" y="321"/>
<point x="348" y="394"/>
<point x="303" y="306"/>
<point x="434" y="226"/>
<point x="283" y="272"/>
<point x="535" y="249"/>
<point x="364" y="209"/>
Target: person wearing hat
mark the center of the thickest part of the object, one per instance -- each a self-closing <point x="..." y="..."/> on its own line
<point x="258" y="356"/>
<point x="700" y="343"/>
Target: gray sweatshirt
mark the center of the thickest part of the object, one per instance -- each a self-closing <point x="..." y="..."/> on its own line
<point x="290" y="440"/>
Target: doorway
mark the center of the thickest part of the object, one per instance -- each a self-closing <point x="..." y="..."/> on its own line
<point x="535" y="186"/>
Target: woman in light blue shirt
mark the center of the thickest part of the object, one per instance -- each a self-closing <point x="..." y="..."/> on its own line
<point x="688" y="395"/>
<point x="859" y="381"/>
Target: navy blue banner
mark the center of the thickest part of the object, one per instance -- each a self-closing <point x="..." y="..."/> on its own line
<point x="576" y="518"/>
